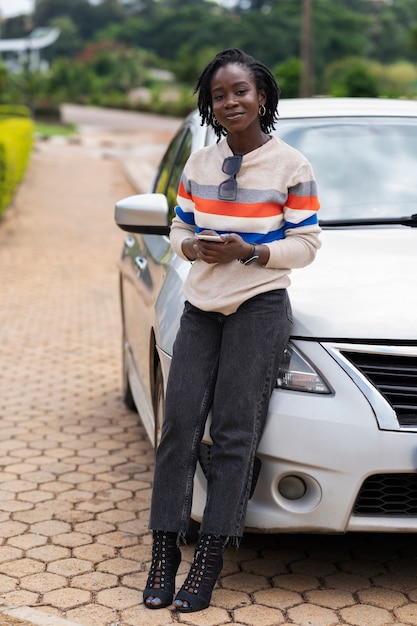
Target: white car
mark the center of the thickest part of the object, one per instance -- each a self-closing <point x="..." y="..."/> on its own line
<point x="339" y="451"/>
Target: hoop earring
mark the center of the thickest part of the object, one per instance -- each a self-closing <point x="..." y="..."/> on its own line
<point x="215" y="122"/>
<point x="262" y="110"/>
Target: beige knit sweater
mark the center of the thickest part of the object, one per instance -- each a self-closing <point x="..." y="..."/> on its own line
<point x="276" y="205"/>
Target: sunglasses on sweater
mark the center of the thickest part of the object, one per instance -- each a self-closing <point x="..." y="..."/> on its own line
<point x="228" y="188"/>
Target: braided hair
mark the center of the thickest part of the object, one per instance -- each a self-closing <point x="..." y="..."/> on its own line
<point x="264" y="79"/>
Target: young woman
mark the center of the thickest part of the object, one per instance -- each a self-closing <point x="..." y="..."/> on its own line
<point x="259" y="195"/>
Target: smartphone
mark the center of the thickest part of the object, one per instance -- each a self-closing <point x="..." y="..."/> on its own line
<point x="210" y="237"/>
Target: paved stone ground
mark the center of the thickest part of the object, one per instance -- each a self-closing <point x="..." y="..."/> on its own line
<point x="75" y="465"/>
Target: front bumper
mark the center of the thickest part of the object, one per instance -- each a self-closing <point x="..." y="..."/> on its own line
<point x="332" y="444"/>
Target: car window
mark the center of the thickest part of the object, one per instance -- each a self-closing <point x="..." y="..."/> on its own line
<point x="363" y="166"/>
<point x="175" y="177"/>
<point x="172" y="165"/>
<point x="162" y="176"/>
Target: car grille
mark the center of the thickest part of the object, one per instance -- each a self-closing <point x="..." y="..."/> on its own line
<point x="204" y="460"/>
<point x="388" y="494"/>
<point x="395" y="377"/>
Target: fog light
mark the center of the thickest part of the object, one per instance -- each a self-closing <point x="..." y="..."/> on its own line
<point x="292" y="487"/>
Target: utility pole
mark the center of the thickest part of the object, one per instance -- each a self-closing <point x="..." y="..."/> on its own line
<point x="306" y="78"/>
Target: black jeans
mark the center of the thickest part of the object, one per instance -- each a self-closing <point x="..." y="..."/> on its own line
<point x="227" y="363"/>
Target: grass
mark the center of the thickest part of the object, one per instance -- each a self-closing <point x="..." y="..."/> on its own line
<point x="46" y="130"/>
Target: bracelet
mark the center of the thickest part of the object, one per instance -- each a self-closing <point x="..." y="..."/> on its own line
<point x="250" y="255"/>
<point x="254" y="256"/>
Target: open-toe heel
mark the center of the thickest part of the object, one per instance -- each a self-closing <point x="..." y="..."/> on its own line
<point x="195" y="594"/>
<point x="166" y="558"/>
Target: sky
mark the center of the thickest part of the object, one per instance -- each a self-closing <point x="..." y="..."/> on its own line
<point x="10" y="8"/>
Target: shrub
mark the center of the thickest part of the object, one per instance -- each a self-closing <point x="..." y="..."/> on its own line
<point x="397" y="80"/>
<point x="352" y="77"/>
<point x="14" y="110"/>
<point x="16" y="140"/>
<point x="288" y="76"/>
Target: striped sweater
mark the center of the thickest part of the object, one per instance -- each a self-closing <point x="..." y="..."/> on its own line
<point x="276" y="205"/>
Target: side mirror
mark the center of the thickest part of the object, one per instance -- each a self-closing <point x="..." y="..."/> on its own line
<point x="145" y="213"/>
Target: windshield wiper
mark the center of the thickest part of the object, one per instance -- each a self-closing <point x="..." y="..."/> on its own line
<point x="408" y="220"/>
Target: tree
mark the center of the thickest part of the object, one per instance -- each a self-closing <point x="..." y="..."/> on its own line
<point x="306" y="82"/>
<point x="132" y="32"/>
<point x="339" y="33"/>
<point x="390" y="32"/>
<point x="188" y="64"/>
<point x="15" y="27"/>
<point x="71" y="80"/>
<point x="86" y="17"/>
<point x="45" y="10"/>
<point x="69" y="42"/>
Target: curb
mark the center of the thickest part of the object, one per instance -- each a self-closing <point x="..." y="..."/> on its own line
<point x="32" y="617"/>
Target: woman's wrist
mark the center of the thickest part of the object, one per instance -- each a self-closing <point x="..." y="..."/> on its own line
<point x="264" y="254"/>
<point x="249" y="250"/>
<point x="188" y="250"/>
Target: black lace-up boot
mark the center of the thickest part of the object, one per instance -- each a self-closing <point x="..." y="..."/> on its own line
<point x="166" y="558"/>
<point x="195" y="594"/>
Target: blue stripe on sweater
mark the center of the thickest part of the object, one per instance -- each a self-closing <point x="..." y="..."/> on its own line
<point x="258" y="238"/>
<point x="185" y="216"/>
<point x="313" y="219"/>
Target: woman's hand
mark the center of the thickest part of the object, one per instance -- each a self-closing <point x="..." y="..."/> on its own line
<point x="229" y="248"/>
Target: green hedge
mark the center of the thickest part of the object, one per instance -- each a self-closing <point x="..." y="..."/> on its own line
<point x="14" y="110"/>
<point x="16" y="141"/>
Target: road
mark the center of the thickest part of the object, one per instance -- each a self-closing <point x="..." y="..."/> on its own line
<point x="75" y="464"/>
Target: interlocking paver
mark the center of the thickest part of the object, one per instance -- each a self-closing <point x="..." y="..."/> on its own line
<point x="119" y="597"/>
<point x="76" y="466"/>
<point x="365" y="615"/>
<point x="259" y="615"/>
<point x="407" y="614"/>
<point x="93" y="615"/>
<point x="96" y="581"/>
<point x="118" y="566"/>
<point x="279" y="598"/>
<point x="49" y="553"/>
<point x="7" y="583"/>
<point x="22" y="567"/>
<point x="67" y="598"/>
<point x="296" y="582"/>
<point x="70" y="567"/>
<point x="332" y="598"/>
<point x="307" y="614"/>
<point x="43" y="582"/>
<point x="384" y="598"/>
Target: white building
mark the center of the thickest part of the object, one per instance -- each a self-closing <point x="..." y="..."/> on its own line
<point x="15" y="53"/>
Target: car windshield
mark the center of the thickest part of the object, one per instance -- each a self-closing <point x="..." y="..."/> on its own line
<point x="365" y="167"/>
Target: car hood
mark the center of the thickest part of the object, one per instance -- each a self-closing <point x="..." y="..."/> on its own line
<point x="362" y="285"/>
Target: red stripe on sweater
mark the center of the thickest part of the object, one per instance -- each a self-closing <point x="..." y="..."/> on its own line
<point x="237" y="209"/>
<point x="305" y="203"/>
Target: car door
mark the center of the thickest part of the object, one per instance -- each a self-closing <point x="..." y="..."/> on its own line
<point x="146" y="264"/>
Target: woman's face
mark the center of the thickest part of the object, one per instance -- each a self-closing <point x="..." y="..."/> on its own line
<point x="235" y="98"/>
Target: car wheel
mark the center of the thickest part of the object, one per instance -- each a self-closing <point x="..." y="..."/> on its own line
<point x="127" y="391"/>
<point x="158" y="404"/>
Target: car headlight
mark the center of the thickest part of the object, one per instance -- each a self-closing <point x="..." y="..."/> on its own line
<point x="297" y="374"/>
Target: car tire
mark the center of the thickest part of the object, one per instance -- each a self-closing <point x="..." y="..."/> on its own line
<point x="158" y="404"/>
<point x="127" y="391"/>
